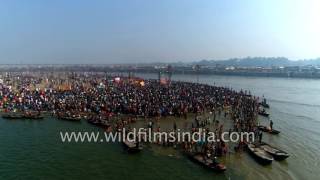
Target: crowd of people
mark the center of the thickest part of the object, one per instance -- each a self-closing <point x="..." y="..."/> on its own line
<point x="97" y="94"/>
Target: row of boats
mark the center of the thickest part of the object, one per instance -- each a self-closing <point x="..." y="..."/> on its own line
<point x="197" y="157"/>
<point x="265" y="153"/>
<point x="262" y="109"/>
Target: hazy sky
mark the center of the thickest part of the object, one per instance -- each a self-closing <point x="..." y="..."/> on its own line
<point x="118" y="31"/>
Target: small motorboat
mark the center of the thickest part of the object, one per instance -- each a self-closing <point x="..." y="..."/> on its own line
<point x="208" y="163"/>
<point x="275" y="152"/>
<point x="268" y="130"/>
<point x="260" y="154"/>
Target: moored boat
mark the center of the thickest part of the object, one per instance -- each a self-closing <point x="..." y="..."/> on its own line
<point x="104" y="124"/>
<point x="94" y="122"/>
<point x="67" y="118"/>
<point x="132" y="147"/>
<point x="260" y="154"/>
<point x="264" y="103"/>
<point x="275" y="152"/>
<point x="12" y="116"/>
<point x="17" y="115"/>
<point x="263" y="113"/>
<point x="268" y="130"/>
<point x="70" y="118"/>
<point x="31" y="115"/>
<point x="201" y="159"/>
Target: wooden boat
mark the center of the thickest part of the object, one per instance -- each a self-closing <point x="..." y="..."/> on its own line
<point x="13" y="116"/>
<point x="132" y="147"/>
<point x="21" y="116"/>
<point x="33" y="117"/>
<point x="275" y="152"/>
<point x="260" y="154"/>
<point x="70" y="118"/>
<point x="104" y="124"/>
<point x="268" y="130"/>
<point x="207" y="163"/>
<point x="263" y="113"/>
<point x="94" y="122"/>
<point x="264" y="103"/>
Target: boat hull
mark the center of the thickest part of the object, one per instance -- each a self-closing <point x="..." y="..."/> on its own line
<point x="21" y="116"/>
<point x="216" y="168"/>
<point x="263" y="114"/>
<point x="265" y="129"/>
<point x="277" y="154"/>
<point x="131" y="149"/>
<point x="260" y="155"/>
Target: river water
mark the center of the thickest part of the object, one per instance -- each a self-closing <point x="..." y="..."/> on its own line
<point x="33" y="149"/>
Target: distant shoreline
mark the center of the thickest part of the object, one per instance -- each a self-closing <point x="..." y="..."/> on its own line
<point x="286" y="72"/>
<point x="242" y="74"/>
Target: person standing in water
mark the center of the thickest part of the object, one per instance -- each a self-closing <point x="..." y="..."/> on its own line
<point x="260" y="137"/>
<point x="271" y="124"/>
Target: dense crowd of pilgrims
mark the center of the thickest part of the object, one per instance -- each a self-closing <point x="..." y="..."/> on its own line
<point x="97" y="94"/>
